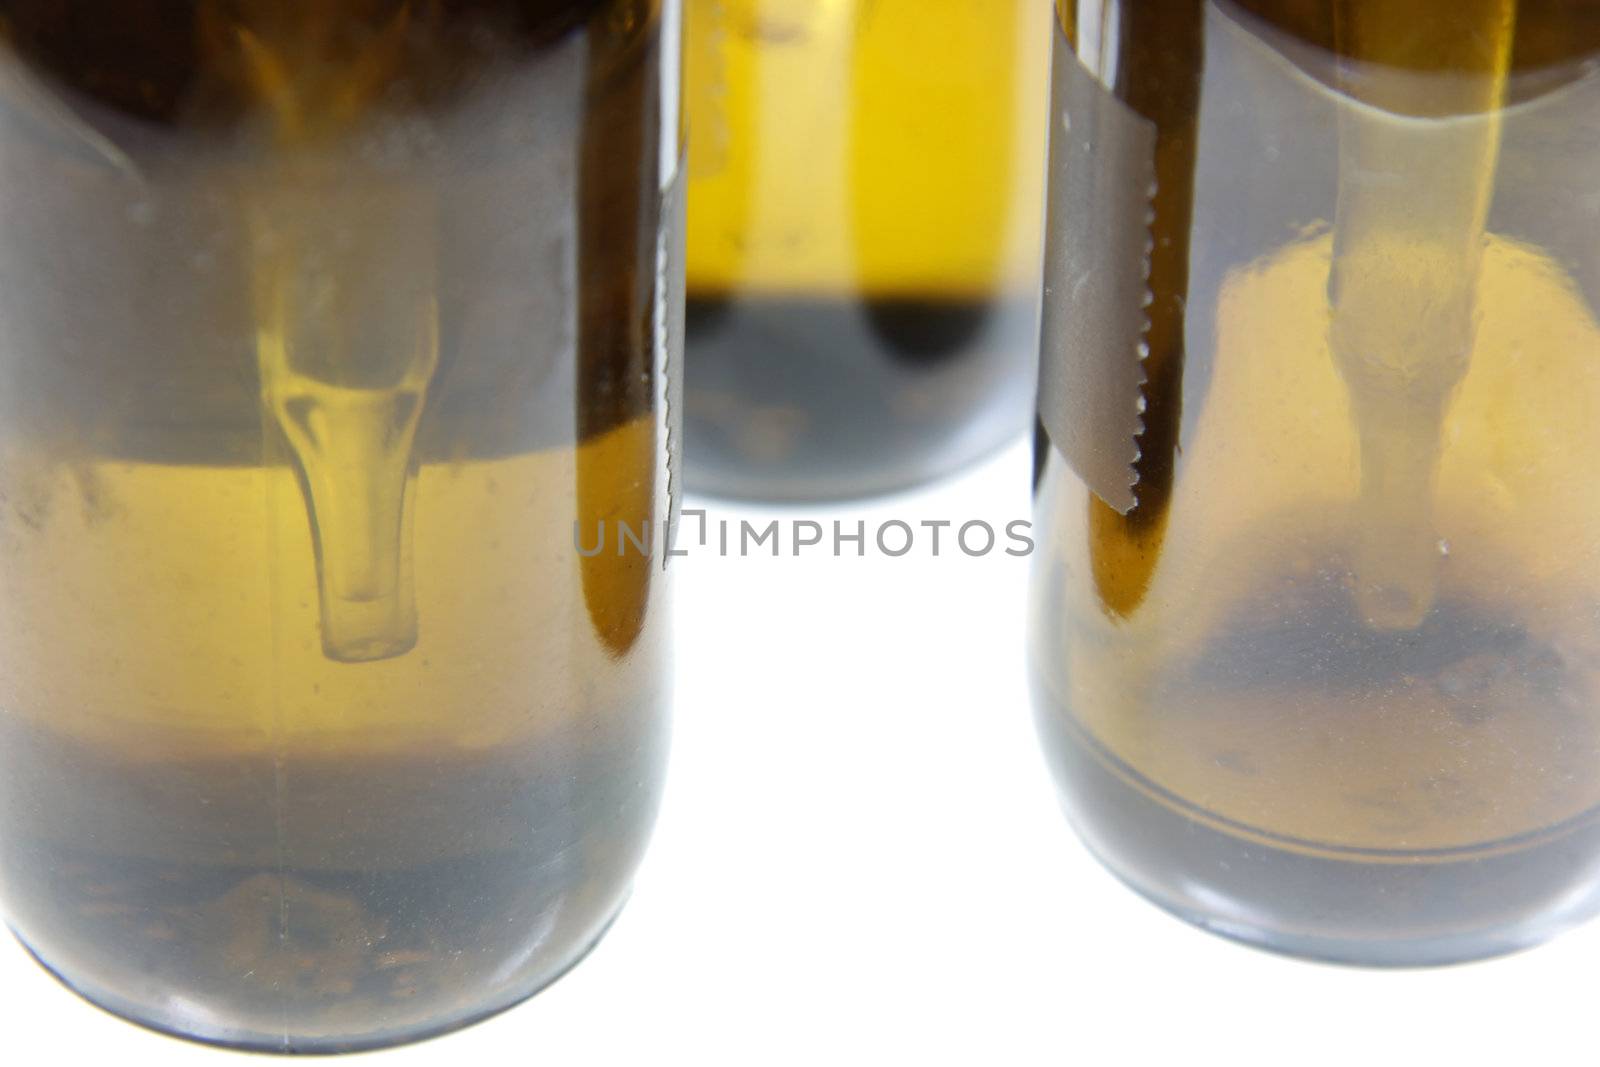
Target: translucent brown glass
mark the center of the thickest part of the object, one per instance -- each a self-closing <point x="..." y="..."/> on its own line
<point x="863" y="240"/>
<point x="1331" y="683"/>
<point x="322" y="327"/>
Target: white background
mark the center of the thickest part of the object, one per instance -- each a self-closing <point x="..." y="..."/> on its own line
<point x="861" y="861"/>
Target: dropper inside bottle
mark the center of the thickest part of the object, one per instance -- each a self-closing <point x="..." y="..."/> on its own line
<point x="345" y="298"/>
<point x="344" y="376"/>
<point x="1419" y="139"/>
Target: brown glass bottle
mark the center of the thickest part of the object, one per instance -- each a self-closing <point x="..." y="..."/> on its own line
<point x="863" y="240"/>
<point x="1316" y="669"/>
<point x="326" y="326"/>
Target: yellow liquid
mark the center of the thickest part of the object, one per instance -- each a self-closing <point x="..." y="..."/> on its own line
<point x="889" y="148"/>
<point x="1241" y="686"/>
<point x="213" y="568"/>
<point x="865" y="182"/>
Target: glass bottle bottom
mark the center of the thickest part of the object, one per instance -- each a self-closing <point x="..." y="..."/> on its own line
<point x="1382" y="909"/>
<point x="368" y="902"/>
<point x="815" y="397"/>
<point x="191" y="1026"/>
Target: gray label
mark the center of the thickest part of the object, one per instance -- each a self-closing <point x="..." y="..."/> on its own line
<point x="1097" y="261"/>
<point x="670" y="260"/>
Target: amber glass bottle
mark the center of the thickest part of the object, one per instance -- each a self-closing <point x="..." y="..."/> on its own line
<point x="1314" y="632"/>
<point x="864" y="204"/>
<point x="324" y="326"/>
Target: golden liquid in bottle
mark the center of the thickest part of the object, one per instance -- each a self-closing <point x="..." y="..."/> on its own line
<point x="1333" y="685"/>
<point x="863" y="239"/>
<point x="326" y="326"/>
